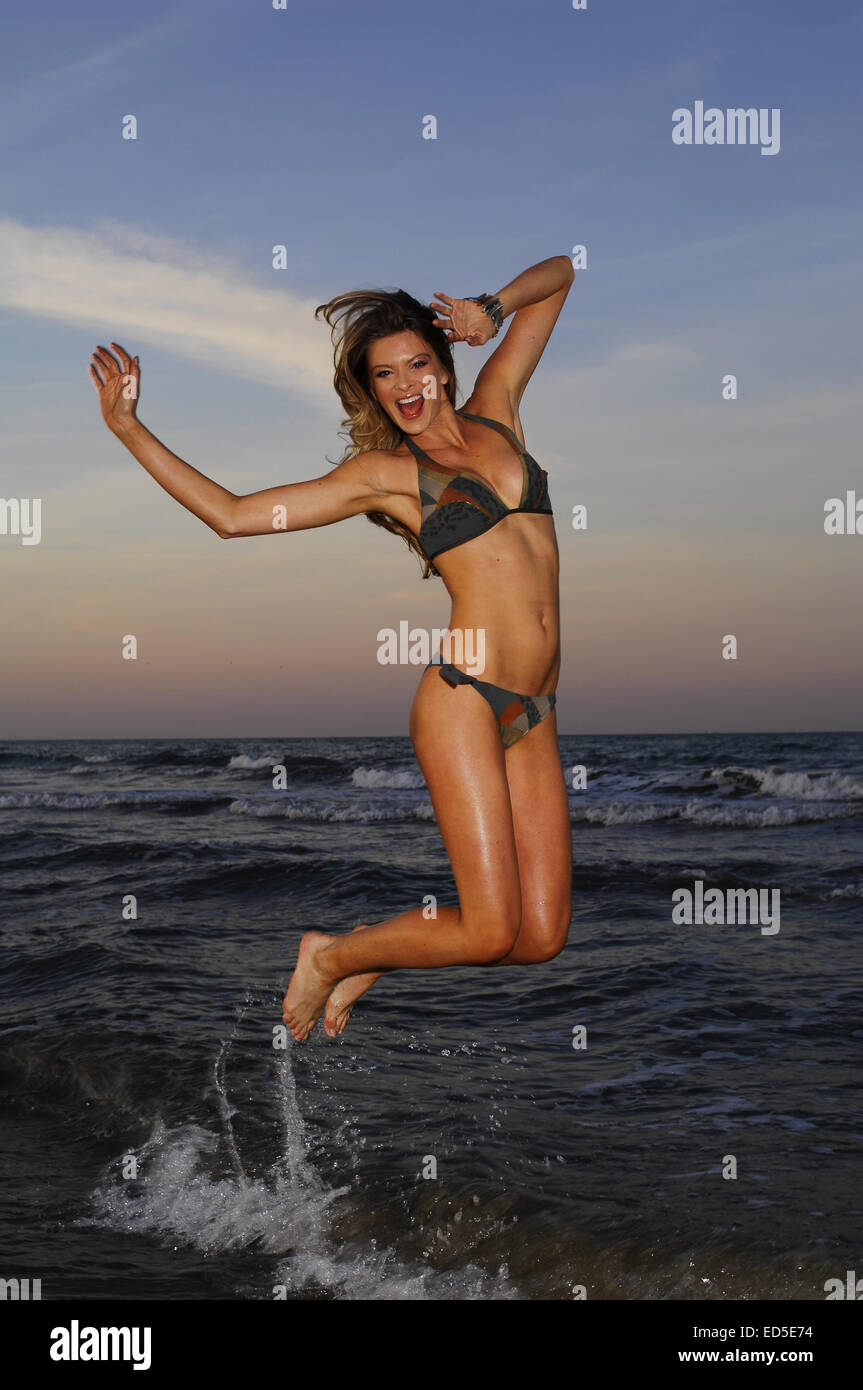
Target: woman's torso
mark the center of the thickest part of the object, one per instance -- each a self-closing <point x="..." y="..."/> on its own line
<point x="503" y="581"/>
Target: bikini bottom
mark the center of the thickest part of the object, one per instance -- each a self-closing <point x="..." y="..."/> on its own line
<point x="516" y="714"/>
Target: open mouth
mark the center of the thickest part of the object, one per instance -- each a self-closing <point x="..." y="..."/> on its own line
<point x="411" y="407"/>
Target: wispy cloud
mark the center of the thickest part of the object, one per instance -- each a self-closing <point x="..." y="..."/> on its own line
<point x="34" y="100"/>
<point x="135" y="289"/>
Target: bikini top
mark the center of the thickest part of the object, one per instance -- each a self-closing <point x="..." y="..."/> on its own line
<point x="457" y="507"/>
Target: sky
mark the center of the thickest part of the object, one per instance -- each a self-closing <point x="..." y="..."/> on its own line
<point x="303" y="126"/>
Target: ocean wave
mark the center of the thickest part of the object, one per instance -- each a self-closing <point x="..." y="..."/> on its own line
<point x="302" y="767"/>
<point x="805" y="786"/>
<point x="192" y="1188"/>
<point x="462" y="1239"/>
<point x="767" y="816"/>
<point x="268" y="760"/>
<point x="374" y="777"/>
<point x="700" y="813"/>
<point x="82" y="801"/>
<point x="332" y="813"/>
<point x="349" y="811"/>
<point x="622" y="813"/>
<point x="175" y="757"/>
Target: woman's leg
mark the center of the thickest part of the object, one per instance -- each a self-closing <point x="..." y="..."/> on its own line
<point x="458" y="747"/>
<point x="543" y="836"/>
<point x="346" y="993"/>
<point x="540" y="814"/>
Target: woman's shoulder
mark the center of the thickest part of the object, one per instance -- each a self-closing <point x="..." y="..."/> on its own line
<point x="388" y="470"/>
<point x="494" y="403"/>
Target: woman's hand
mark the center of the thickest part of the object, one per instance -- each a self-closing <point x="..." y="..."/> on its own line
<point x="462" y="320"/>
<point x="117" y="385"/>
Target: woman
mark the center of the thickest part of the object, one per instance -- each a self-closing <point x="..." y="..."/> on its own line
<point x="460" y="488"/>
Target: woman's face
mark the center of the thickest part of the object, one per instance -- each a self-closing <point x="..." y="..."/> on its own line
<point x="407" y="379"/>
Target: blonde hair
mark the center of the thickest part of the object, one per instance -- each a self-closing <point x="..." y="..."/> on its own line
<point x="357" y="319"/>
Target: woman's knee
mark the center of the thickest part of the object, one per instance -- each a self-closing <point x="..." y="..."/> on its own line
<point x="492" y="935"/>
<point x="549" y="948"/>
<point x="546" y="933"/>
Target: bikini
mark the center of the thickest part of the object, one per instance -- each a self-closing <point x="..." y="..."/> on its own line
<point x="456" y="508"/>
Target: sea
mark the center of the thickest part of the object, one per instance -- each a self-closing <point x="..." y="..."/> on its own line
<point x="667" y="1110"/>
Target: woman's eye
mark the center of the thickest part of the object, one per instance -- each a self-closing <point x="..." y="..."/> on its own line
<point x="422" y="362"/>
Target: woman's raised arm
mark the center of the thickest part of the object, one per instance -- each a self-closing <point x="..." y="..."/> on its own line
<point x="535" y="299"/>
<point x="346" y="491"/>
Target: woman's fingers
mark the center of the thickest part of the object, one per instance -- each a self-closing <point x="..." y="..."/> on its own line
<point x="444" y="309"/>
<point x="106" y="361"/>
<point x="125" y="359"/>
<point x="451" y="317"/>
<point x="104" y="368"/>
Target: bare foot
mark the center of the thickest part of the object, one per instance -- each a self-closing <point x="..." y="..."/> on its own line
<point x="345" y="995"/>
<point x="309" y="987"/>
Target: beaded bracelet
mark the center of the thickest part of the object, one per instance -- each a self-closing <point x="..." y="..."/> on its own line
<point x="491" y="305"/>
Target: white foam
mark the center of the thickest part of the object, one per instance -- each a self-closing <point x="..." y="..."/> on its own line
<point x="81" y="801"/>
<point x="269" y="760"/>
<point x="699" y="813"/>
<point x="181" y="1195"/>
<point x="378" y="777"/>
<point x="824" y="786"/>
<point x="323" y="812"/>
<point x="623" y="813"/>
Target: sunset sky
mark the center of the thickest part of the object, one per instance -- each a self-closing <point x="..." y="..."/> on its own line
<point x="303" y="127"/>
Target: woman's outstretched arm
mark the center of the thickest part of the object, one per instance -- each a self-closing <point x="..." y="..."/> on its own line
<point x="346" y="491"/>
<point x="117" y="385"/>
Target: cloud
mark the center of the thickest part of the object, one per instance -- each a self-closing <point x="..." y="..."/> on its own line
<point x="127" y="286"/>
<point x="33" y="101"/>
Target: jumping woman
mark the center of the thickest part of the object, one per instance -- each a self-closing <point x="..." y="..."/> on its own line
<point x="461" y="489"/>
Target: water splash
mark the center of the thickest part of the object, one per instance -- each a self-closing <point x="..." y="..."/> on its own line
<point x="193" y="1187"/>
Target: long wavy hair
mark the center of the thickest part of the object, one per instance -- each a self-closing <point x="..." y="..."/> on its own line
<point x="357" y="319"/>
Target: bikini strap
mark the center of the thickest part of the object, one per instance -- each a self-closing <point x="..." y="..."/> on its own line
<point x="415" y="449"/>
<point x="419" y="453"/>
<point x="452" y="675"/>
<point x="496" y="425"/>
